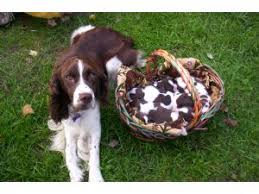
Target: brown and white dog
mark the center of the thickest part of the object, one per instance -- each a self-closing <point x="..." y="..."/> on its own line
<point x="78" y="85"/>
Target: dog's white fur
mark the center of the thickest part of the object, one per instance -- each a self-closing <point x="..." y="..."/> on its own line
<point x="83" y="141"/>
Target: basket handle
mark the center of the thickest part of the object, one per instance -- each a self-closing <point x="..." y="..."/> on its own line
<point x="152" y="59"/>
<point x="149" y="60"/>
<point x="170" y="61"/>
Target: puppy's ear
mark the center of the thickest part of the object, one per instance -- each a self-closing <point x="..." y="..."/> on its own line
<point x="59" y="100"/>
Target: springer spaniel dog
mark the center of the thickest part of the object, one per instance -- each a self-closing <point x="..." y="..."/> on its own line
<point x="78" y="86"/>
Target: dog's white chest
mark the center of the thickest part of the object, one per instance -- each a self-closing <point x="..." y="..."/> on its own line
<point x="84" y="122"/>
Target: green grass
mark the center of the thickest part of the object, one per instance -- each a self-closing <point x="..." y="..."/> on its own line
<point x="220" y="154"/>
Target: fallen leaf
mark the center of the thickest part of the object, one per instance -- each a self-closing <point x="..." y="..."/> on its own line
<point x="234" y="177"/>
<point x="33" y="53"/>
<point x="65" y="18"/>
<point x="210" y="56"/>
<point x="27" y="110"/>
<point x="92" y="17"/>
<point x="113" y="143"/>
<point x="52" y="22"/>
<point x="224" y="108"/>
<point x="28" y="60"/>
<point x="215" y="93"/>
<point x="14" y="48"/>
<point x="231" y="122"/>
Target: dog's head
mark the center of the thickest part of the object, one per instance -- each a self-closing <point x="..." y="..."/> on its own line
<point x="76" y="83"/>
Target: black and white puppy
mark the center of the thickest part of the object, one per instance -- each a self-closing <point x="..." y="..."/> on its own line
<point x="78" y="85"/>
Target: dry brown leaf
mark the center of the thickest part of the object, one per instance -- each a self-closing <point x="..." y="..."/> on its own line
<point x="224" y="108"/>
<point x="14" y="48"/>
<point x="52" y="22"/>
<point x="33" y="53"/>
<point x="234" y="177"/>
<point x="206" y="79"/>
<point x="231" y="122"/>
<point x="28" y="60"/>
<point x="92" y="17"/>
<point x="210" y="56"/>
<point x="27" y="110"/>
<point x="113" y="143"/>
<point x="215" y="93"/>
<point x="65" y="18"/>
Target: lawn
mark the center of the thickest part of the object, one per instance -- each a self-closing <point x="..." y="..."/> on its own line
<point x="223" y="153"/>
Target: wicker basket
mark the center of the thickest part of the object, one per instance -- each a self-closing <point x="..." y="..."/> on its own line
<point x="185" y="67"/>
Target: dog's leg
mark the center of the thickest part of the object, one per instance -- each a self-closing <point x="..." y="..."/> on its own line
<point x="112" y="66"/>
<point x="94" y="161"/>
<point x="129" y="57"/>
<point x="76" y="174"/>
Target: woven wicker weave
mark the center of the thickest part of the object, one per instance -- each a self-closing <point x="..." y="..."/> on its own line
<point x="185" y="67"/>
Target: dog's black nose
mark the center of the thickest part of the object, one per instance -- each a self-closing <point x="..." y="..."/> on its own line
<point x="85" y="97"/>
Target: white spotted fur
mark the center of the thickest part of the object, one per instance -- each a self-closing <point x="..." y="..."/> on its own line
<point x="145" y="108"/>
<point x="151" y="93"/>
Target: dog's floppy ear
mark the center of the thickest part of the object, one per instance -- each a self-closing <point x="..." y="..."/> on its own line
<point x="59" y="100"/>
<point x="103" y="85"/>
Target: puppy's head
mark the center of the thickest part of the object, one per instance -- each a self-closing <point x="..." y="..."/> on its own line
<point x="78" y="83"/>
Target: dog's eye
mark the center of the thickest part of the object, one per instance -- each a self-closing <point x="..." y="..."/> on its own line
<point x="69" y="77"/>
<point x="91" y="74"/>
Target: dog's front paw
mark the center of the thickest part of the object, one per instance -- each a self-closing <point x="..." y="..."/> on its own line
<point x="96" y="177"/>
<point x="76" y="176"/>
